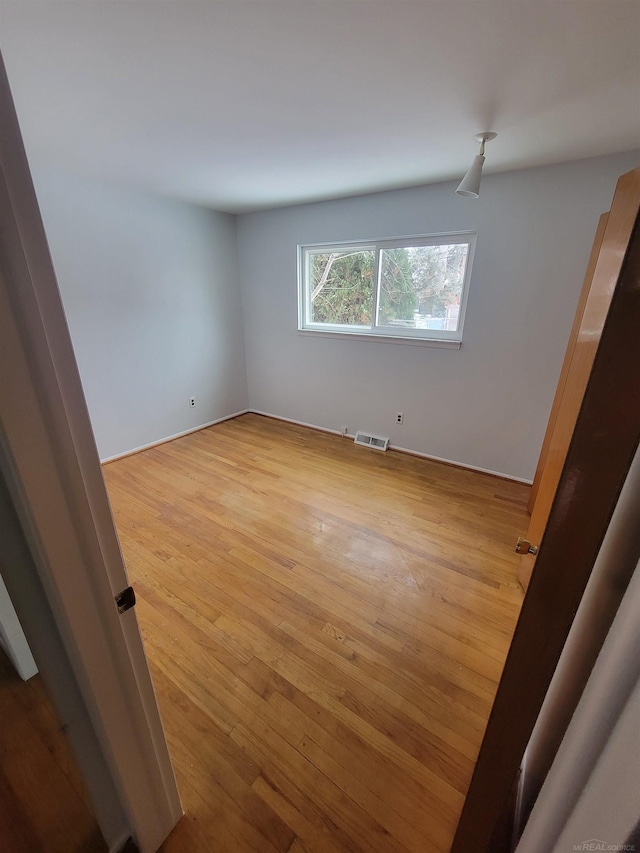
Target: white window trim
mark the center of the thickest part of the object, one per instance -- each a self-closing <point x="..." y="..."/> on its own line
<point x="381" y="339"/>
<point x="423" y="337"/>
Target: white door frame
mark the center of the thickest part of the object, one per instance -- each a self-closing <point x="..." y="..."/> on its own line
<point x="51" y="466"/>
<point x="12" y="638"/>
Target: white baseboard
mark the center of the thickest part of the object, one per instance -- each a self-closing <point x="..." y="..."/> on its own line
<point x="171" y="437"/>
<point x="462" y="465"/>
<point x="401" y="449"/>
<point x="320" y="429"/>
<point x="298" y="423"/>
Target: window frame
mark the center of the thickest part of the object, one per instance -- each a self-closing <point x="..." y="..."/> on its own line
<point x="435" y="337"/>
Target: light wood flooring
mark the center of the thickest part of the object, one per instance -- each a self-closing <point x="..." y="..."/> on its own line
<point x="326" y="626"/>
<point x="44" y="807"/>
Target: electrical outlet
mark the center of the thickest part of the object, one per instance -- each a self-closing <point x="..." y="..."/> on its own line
<point x="192" y="402"/>
<point x="343" y="430"/>
<point x="399" y="417"/>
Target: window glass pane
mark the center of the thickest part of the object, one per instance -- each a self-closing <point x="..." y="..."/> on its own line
<point x="421" y="286"/>
<point x="341" y="286"/>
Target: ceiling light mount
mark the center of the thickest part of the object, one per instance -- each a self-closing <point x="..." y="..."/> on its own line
<point x="484" y="137"/>
<point x="470" y="184"/>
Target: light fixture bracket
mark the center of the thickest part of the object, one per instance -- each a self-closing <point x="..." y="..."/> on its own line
<point x="485" y="137"/>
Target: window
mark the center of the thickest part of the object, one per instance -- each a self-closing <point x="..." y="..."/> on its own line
<point x="413" y="287"/>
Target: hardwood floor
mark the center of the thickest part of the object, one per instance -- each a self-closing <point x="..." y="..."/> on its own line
<point x="43" y="802"/>
<point x="326" y="627"/>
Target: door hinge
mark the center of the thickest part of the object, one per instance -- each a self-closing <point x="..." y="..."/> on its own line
<point x="125" y="600"/>
<point x="523" y="546"/>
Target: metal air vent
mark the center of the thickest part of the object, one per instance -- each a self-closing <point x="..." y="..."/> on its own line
<point x="378" y="442"/>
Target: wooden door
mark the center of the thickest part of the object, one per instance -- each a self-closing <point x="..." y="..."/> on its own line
<point x="601" y="450"/>
<point x="609" y="247"/>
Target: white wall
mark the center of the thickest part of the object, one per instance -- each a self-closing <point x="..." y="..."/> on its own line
<point x="485" y="405"/>
<point x="151" y="293"/>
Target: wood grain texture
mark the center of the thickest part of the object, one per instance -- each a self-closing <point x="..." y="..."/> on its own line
<point x="568" y="356"/>
<point x="600" y="454"/>
<point x="607" y="265"/>
<point x="557" y="426"/>
<point x="43" y="801"/>
<point x="326" y="628"/>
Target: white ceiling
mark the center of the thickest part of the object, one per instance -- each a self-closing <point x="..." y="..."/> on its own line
<point x="243" y="105"/>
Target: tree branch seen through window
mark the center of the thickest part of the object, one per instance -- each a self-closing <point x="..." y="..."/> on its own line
<point x="415" y="287"/>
